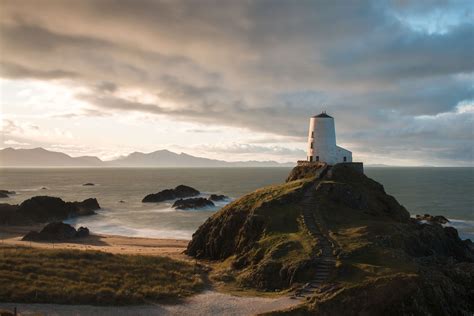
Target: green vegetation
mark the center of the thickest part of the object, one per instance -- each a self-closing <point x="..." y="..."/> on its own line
<point x="92" y="277"/>
<point x="281" y="245"/>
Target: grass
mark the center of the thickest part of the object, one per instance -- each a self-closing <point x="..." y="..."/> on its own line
<point x="91" y="277"/>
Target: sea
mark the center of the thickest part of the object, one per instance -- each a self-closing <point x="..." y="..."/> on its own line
<point x="437" y="191"/>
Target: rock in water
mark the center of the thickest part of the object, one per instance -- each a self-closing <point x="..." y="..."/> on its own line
<point x="218" y="197"/>
<point x="181" y="191"/>
<point x="86" y="207"/>
<point x="387" y="262"/>
<point x="438" y="219"/>
<point x="40" y="209"/>
<point x="184" y="204"/>
<point x="88" y="184"/>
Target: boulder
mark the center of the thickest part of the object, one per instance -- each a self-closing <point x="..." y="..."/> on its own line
<point x="181" y="191"/>
<point x="184" y="204"/>
<point x="3" y="195"/>
<point x="82" y="232"/>
<point x="218" y="197"/>
<point x="86" y="207"/>
<point x="53" y="231"/>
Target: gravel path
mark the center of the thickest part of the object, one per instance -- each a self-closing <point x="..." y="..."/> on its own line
<point x="206" y="303"/>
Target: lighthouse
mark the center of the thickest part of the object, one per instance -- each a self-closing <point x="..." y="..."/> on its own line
<point x="322" y="141"/>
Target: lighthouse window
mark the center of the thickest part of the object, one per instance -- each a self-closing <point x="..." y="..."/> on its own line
<point x="312" y="134"/>
<point x="311" y="145"/>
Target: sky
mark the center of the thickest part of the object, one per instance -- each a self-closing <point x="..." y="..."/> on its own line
<point x="239" y="80"/>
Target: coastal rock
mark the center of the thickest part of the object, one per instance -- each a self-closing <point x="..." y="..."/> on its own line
<point x="86" y="207"/>
<point x="184" y="204"/>
<point x="304" y="171"/>
<point x="53" y="231"/>
<point x="3" y="195"/>
<point x="88" y="184"/>
<point x="387" y="262"/>
<point x="181" y="191"/>
<point x="218" y="197"/>
<point x="57" y="231"/>
<point x="40" y="209"/>
<point x="438" y="219"/>
<point x="82" y="232"/>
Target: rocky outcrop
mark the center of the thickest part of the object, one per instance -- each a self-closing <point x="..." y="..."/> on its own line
<point x="218" y="197"/>
<point x="306" y="170"/>
<point x="57" y="231"/>
<point x="40" y="209"/>
<point x="438" y="219"/>
<point x="192" y="203"/>
<point x="386" y="262"/>
<point x="181" y="191"/>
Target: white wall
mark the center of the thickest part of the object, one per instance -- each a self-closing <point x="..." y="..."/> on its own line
<point x="322" y="142"/>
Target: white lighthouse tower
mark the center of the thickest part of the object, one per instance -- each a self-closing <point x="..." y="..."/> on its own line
<point x="322" y="141"/>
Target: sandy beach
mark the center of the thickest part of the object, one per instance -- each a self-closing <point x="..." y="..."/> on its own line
<point x="11" y="236"/>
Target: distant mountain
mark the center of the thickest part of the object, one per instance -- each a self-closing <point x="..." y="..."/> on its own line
<point x="166" y="158"/>
<point x="39" y="157"/>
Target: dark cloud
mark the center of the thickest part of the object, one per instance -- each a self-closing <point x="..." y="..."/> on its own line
<point x="265" y="65"/>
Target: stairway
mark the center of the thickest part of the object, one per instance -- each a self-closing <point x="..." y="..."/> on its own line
<point x="326" y="261"/>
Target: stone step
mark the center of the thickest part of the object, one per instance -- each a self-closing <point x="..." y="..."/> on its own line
<point x="319" y="280"/>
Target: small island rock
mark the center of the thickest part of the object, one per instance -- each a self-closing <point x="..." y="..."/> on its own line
<point x="41" y="209"/>
<point x="218" y="197"/>
<point x="184" y="204"/>
<point x="88" y="184"/>
<point x="181" y="191"/>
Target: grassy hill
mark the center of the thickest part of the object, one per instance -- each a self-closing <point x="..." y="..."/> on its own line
<point x="91" y="277"/>
<point x="386" y="262"/>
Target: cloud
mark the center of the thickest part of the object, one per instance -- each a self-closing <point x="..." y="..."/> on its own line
<point x="238" y="148"/>
<point x="379" y="67"/>
<point x="11" y="142"/>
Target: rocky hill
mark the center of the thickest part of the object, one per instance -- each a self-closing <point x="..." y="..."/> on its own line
<point x="335" y="236"/>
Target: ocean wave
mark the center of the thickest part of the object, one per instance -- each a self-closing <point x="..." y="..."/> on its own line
<point x="465" y="227"/>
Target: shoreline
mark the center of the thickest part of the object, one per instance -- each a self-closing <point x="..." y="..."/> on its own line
<point x="116" y="244"/>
